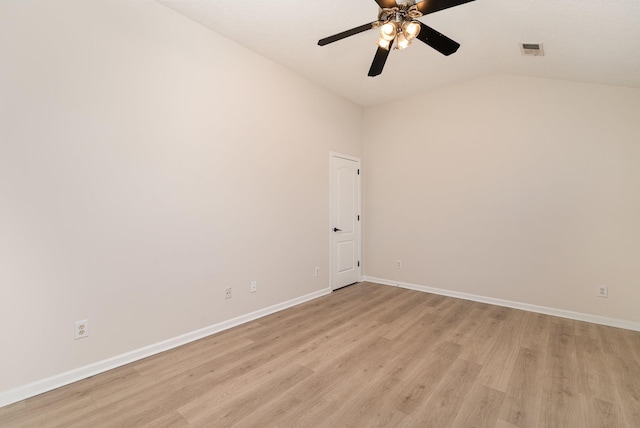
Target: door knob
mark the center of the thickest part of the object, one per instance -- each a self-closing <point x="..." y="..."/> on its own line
<point x="335" y="229"/>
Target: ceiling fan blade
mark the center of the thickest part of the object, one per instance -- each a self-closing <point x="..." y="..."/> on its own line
<point x="438" y="41"/>
<point x="386" y="4"/>
<point x="378" y="61"/>
<point x="430" y="6"/>
<point x="347" y="33"/>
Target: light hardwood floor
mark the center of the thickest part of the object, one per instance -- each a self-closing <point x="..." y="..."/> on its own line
<point x="369" y="355"/>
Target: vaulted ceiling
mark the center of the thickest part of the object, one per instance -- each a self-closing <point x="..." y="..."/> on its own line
<point x="595" y="41"/>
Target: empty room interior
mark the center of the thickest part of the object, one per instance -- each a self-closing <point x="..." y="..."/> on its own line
<point x="208" y="217"/>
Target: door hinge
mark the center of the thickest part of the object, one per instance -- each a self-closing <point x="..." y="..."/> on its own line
<point x="358" y="263"/>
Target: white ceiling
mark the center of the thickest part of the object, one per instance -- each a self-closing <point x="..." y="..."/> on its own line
<point x="594" y="41"/>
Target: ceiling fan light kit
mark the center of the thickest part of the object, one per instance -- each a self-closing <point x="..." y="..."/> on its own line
<point x="399" y="26"/>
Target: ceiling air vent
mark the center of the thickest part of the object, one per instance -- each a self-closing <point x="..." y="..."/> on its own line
<point x="532" y="49"/>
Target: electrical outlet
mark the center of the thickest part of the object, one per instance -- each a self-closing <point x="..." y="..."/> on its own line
<point x="317" y="271"/>
<point x="81" y="329"/>
<point x="602" y="291"/>
<point x="227" y="293"/>
<point x="254" y="286"/>
<point x="398" y="264"/>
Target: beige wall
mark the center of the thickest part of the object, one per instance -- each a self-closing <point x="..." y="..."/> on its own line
<point x="147" y="163"/>
<point x="509" y="187"/>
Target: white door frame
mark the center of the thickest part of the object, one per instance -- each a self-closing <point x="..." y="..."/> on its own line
<point x="333" y="155"/>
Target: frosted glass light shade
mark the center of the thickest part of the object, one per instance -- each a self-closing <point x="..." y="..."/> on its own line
<point x="403" y="42"/>
<point x="411" y="29"/>
<point x="384" y="44"/>
<point x="388" y="31"/>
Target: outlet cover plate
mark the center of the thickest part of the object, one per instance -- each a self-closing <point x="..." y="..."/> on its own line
<point x="81" y="329"/>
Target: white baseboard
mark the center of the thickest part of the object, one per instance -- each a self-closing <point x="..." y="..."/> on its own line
<point x="596" y="319"/>
<point x="38" y="387"/>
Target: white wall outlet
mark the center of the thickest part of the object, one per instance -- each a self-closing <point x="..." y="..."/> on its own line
<point x="317" y="271"/>
<point x="398" y="264"/>
<point x="254" y="286"/>
<point x="602" y="291"/>
<point x="227" y="293"/>
<point x="81" y="329"/>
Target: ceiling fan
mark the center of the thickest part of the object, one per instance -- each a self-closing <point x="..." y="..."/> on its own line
<point x="399" y="25"/>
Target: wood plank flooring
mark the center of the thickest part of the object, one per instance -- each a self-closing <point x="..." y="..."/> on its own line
<point x="368" y="355"/>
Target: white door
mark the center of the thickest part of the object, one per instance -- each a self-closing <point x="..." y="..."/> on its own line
<point x="345" y="220"/>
